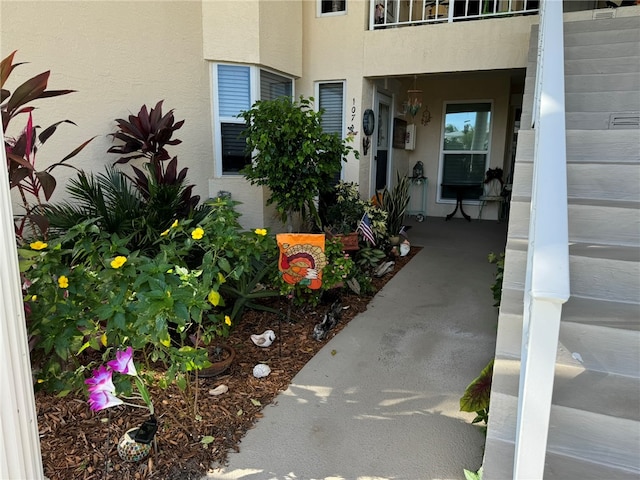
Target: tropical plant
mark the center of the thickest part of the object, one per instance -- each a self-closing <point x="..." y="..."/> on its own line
<point x="109" y="198"/>
<point x="147" y="135"/>
<point x="293" y="156"/>
<point x="35" y="186"/>
<point x="477" y="394"/>
<point x="395" y="203"/>
<point x="87" y="290"/>
<point x="496" y="287"/>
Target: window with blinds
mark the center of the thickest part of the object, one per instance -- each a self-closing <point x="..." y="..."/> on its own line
<point x="235" y="95"/>
<point x="273" y="86"/>
<point x="331" y="102"/>
<point x="465" y="148"/>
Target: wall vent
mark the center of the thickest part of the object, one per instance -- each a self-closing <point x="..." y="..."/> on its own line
<point x="604" y="13"/>
<point x="626" y="120"/>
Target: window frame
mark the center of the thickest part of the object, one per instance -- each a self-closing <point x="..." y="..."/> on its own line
<point x="320" y="13"/>
<point x="343" y="132"/>
<point x="218" y="120"/>
<point x="443" y="152"/>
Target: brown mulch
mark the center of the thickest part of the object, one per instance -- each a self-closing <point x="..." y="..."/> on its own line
<point x="79" y="444"/>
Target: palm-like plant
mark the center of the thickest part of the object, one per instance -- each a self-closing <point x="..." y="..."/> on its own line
<point x="108" y="197"/>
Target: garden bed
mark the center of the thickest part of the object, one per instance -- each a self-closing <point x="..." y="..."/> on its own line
<point x="77" y="443"/>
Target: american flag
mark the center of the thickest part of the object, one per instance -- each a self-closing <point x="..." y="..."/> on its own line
<point x="365" y="229"/>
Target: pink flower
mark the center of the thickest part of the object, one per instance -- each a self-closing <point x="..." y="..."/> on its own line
<point x="101" y="381"/>
<point x="99" y="400"/>
<point x="124" y="362"/>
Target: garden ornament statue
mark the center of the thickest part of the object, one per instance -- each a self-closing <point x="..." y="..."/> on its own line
<point x="265" y="339"/>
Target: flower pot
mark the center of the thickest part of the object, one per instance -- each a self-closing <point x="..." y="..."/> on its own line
<point x="221" y="358"/>
<point x="130" y="450"/>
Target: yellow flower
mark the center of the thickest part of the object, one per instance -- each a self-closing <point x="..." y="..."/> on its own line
<point x="227" y="320"/>
<point x="165" y="233"/>
<point x="63" y="282"/>
<point x="261" y="231"/>
<point x="38" y="245"/>
<point x="174" y="224"/>
<point x="197" y="234"/>
<point x="103" y="339"/>
<point x="118" y="261"/>
<point x="34" y="298"/>
<point x="221" y="278"/>
<point x="214" y="298"/>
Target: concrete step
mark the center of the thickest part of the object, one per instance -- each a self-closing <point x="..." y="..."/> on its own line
<point x="582" y="310"/>
<point x="586" y="347"/>
<point x="593" y="269"/>
<point x="593" y="182"/>
<point x="557" y="467"/>
<point x="588" y="223"/>
<point x="590" y="146"/>
<point x="580" y="445"/>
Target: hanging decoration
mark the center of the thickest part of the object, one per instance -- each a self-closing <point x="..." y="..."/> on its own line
<point x="414" y="100"/>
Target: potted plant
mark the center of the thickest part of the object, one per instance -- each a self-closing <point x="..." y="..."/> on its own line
<point x="343" y="211"/>
<point x="292" y="155"/>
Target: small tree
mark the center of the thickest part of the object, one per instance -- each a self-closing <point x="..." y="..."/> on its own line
<point x="292" y="155"/>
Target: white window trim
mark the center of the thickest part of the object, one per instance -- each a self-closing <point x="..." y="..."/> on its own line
<point x="452" y="201"/>
<point x="330" y="14"/>
<point x="254" y="95"/>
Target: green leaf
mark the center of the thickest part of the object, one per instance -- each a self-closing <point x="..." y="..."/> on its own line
<point x="477" y="394"/>
<point x="207" y="439"/>
<point x="255" y="402"/>
<point x="224" y="264"/>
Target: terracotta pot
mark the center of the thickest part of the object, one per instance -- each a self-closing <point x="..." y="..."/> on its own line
<point x="221" y="360"/>
<point x="130" y="450"/>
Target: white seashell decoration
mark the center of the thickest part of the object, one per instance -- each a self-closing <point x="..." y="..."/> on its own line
<point x="261" y="370"/>
<point x="264" y="340"/>
<point x="219" y="390"/>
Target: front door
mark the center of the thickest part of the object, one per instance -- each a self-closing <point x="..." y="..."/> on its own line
<point x="382" y="144"/>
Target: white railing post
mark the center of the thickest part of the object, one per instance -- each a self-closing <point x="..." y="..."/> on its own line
<point x="547" y="280"/>
<point x="19" y="442"/>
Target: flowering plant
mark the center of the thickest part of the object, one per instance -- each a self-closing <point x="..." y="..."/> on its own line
<point x="102" y="392"/>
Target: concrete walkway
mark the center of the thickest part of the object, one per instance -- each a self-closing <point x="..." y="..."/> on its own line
<point x="381" y="399"/>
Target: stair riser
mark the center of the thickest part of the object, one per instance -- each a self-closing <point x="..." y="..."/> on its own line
<point x="609" y="444"/>
<point x="589" y="277"/>
<point x="589" y="181"/>
<point x="588" y="146"/>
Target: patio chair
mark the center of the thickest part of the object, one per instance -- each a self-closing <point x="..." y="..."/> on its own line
<point x="492" y="192"/>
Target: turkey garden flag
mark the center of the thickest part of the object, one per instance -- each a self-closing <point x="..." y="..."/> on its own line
<point x="302" y="258"/>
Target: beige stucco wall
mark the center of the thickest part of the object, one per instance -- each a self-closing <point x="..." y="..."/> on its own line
<point x="498" y="43"/>
<point x="118" y="56"/>
<point x="266" y="33"/>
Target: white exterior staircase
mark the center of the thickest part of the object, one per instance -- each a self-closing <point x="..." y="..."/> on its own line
<point x="594" y="428"/>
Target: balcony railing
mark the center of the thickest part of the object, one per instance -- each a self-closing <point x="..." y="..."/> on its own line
<point x="398" y="13"/>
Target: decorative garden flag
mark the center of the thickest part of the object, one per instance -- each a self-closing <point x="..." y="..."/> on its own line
<point x="302" y="258"/>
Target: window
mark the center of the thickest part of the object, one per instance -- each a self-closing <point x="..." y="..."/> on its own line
<point x="332" y="6"/>
<point x="234" y="92"/>
<point x="331" y="100"/>
<point x="465" y="147"/>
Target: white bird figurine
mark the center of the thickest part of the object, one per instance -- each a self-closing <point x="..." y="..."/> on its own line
<point x="264" y="340"/>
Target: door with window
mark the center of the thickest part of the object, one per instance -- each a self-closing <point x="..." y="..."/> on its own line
<point x="382" y="145"/>
<point x="465" y="149"/>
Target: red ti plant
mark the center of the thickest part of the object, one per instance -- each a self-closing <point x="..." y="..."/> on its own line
<point x="145" y="136"/>
<point x="33" y="185"/>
